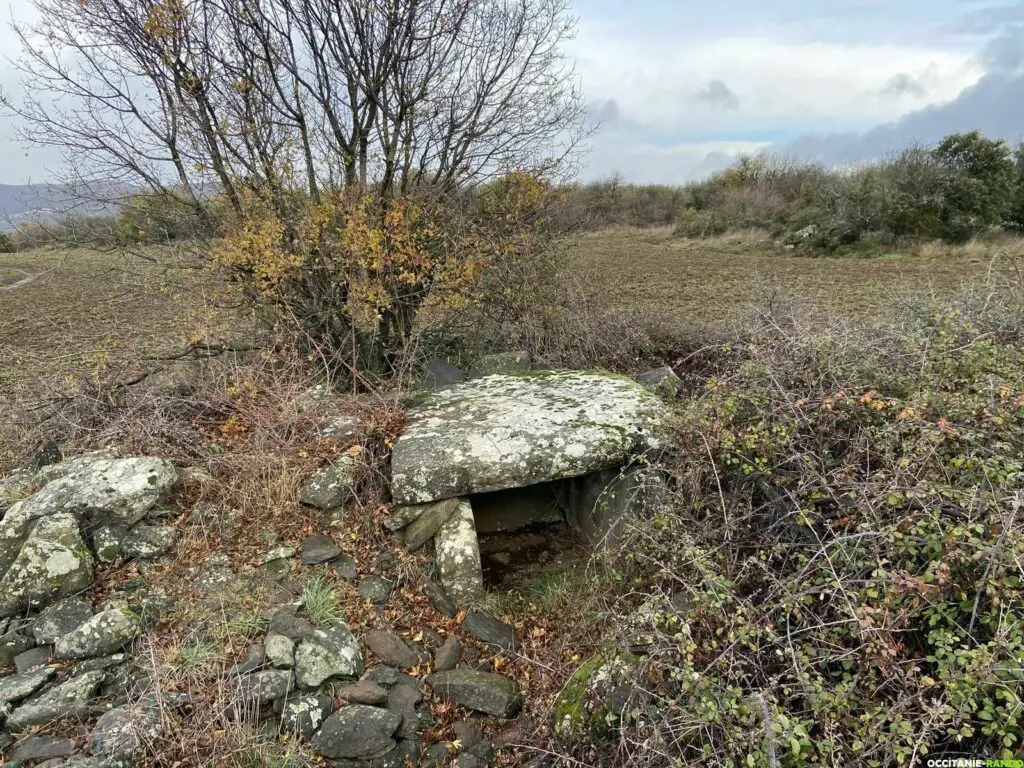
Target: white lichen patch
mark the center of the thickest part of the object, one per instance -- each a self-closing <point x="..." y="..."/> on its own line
<point x="61" y="563"/>
<point x="502" y="432"/>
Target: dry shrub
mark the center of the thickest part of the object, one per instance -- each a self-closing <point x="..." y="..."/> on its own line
<point x="839" y="577"/>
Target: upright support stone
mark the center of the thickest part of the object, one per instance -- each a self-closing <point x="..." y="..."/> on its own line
<point x="457" y="552"/>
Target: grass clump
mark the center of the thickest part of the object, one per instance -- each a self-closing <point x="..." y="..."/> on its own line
<point x="320" y="602"/>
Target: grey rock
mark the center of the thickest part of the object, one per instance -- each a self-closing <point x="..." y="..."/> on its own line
<point x="501" y="363"/>
<point x="345" y="567"/>
<point x="437" y="755"/>
<point x="51" y="563"/>
<point x="12" y="644"/>
<point x="102" y="635"/>
<point x="343" y="428"/>
<point x="467" y="733"/>
<point x="255" y="655"/>
<point x="304" y="715"/>
<point x="106" y="540"/>
<point x="512" y="431"/>
<point x="448" y="655"/>
<point x="438" y="374"/>
<point x="457" y="553"/>
<point x="33" y="658"/>
<point x="45" y="455"/>
<point x="261" y="688"/>
<point x="364" y="692"/>
<point x="121" y="732"/>
<point x="480" y="691"/>
<point x="484" y="750"/>
<point x="439" y="599"/>
<point x="59" y="619"/>
<point x="6" y="741"/>
<point x="490" y="630"/>
<point x="327" y="654"/>
<point x="375" y="589"/>
<point x="280" y="650"/>
<point x="402" y="516"/>
<point x="333" y="485"/>
<point x="102" y="663"/>
<point x="40" y="748"/>
<point x="386" y="676"/>
<point x="318" y="549"/>
<point x="17" y="687"/>
<point x="147" y="541"/>
<point x="286" y="623"/>
<point x="428" y="523"/>
<point x="402" y="700"/>
<point x="70" y="699"/>
<point x="663" y="381"/>
<point x="601" y="505"/>
<point x="391" y="649"/>
<point x="357" y="731"/>
<point x="278" y="553"/>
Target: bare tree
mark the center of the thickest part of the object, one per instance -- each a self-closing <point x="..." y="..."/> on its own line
<point x="273" y="96"/>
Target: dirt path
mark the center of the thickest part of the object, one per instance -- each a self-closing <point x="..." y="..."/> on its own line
<point x="27" y="279"/>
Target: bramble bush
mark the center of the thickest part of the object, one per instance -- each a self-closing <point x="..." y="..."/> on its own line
<point x="839" y="578"/>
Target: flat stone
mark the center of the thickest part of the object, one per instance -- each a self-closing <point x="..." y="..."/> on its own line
<point x="439" y="599"/>
<point x="467" y="733"/>
<point x="375" y="589"/>
<point x="357" y="731"/>
<point x="663" y="381"/>
<point x="121" y="732"/>
<point x="333" y="485"/>
<point x="303" y="715"/>
<point x="448" y="654"/>
<point x="386" y="676"/>
<point x="345" y="567"/>
<point x="402" y="516"/>
<point x="318" y="549"/>
<point x="102" y="635"/>
<point x="17" y="687"/>
<point x="364" y="692"/>
<point x="278" y="553"/>
<point x="70" y="699"/>
<point x="286" y="623"/>
<point x="343" y="428"/>
<point x="33" y="658"/>
<point x="327" y="654"/>
<point x="481" y="691"/>
<point x="457" y="553"/>
<point x="490" y="630"/>
<point x="261" y="688"/>
<point x="59" y="619"/>
<point x="280" y="651"/>
<point x="255" y="655"/>
<point x="51" y="563"/>
<point x="391" y="649"/>
<point x="13" y="644"/>
<point x="601" y="505"/>
<point x="501" y="362"/>
<point x="147" y="541"/>
<point x="502" y="432"/>
<point x="41" y="748"/>
<point x="428" y="523"/>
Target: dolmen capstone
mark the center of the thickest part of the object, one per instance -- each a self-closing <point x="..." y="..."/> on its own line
<point x="528" y="447"/>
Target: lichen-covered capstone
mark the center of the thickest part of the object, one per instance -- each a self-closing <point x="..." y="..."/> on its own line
<point x="457" y="552"/>
<point x="503" y="431"/>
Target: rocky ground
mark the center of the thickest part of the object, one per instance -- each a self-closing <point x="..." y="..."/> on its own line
<point x="123" y="642"/>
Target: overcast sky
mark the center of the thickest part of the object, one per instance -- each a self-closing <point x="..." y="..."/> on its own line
<point x="682" y="86"/>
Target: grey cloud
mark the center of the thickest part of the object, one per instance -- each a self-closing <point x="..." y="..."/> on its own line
<point x="991" y="19"/>
<point x="719" y="96"/>
<point x="902" y="85"/>
<point x="604" y="112"/>
<point x="1005" y="53"/>
<point x="995" y="106"/>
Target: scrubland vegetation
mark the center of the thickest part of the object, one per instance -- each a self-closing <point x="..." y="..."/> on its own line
<point x="838" y="579"/>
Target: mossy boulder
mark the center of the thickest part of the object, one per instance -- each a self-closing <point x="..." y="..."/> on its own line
<point x="590" y="705"/>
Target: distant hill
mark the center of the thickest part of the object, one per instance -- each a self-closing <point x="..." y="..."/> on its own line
<point x="20" y="203"/>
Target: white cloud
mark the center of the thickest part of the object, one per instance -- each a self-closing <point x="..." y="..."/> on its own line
<point x="775" y="82"/>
